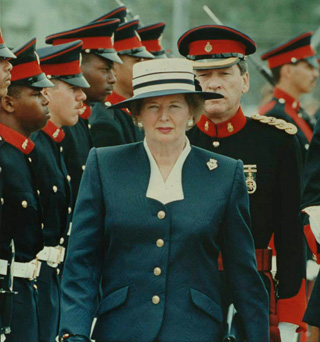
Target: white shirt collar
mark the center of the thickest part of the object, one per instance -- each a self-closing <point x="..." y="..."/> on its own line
<point x="171" y="189"/>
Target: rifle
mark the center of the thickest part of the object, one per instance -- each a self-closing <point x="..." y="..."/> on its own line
<point x="310" y="120"/>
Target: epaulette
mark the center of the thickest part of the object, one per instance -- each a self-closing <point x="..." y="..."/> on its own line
<point x="278" y="123"/>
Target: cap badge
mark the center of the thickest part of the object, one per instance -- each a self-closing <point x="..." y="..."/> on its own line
<point x="37" y="57"/>
<point x="138" y="35"/>
<point x="206" y="126"/>
<point x="80" y="59"/>
<point x="208" y="47"/>
<point x="230" y="127"/>
<point x="212" y="164"/>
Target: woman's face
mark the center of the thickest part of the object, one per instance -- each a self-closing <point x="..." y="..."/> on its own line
<point x="165" y="118"/>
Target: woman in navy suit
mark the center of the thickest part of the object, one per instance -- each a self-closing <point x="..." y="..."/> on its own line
<point x="148" y="226"/>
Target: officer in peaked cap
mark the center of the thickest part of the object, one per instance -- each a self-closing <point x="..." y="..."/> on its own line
<point x="23" y="110"/>
<point x="151" y="36"/>
<point x="272" y="164"/>
<point x="5" y="66"/>
<point x="131" y="51"/>
<point x="61" y="64"/>
<point x="98" y="58"/>
<point x="128" y="44"/>
<point x="115" y="126"/>
<point x="118" y="13"/>
<point x="294" y="67"/>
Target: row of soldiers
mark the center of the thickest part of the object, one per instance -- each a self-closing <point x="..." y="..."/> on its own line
<point x="55" y="108"/>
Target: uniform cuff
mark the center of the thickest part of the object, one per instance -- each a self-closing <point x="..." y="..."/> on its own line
<point x="291" y="310"/>
<point x="312" y="243"/>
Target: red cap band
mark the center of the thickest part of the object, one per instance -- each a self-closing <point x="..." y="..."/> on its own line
<point x="212" y="47"/>
<point x="88" y="42"/>
<point x="152" y="45"/>
<point x="25" y="70"/>
<point x="62" y="69"/>
<point x="286" y="57"/>
<point x="127" y="44"/>
<point x="1" y="38"/>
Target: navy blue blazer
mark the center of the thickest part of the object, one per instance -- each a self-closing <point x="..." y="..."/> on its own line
<point x="120" y="236"/>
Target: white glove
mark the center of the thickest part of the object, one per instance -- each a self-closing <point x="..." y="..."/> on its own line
<point x="2" y="338"/>
<point x="312" y="270"/>
<point x="288" y="332"/>
<point x="314" y="219"/>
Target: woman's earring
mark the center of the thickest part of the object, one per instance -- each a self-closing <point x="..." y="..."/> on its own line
<point x="190" y="123"/>
<point x="140" y="124"/>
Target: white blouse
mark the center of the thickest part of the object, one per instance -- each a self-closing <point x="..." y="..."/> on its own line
<point x="171" y="189"/>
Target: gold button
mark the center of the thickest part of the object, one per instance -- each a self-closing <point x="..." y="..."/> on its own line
<point x="61" y="241"/>
<point x="83" y="167"/>
<point x="38" y="192"/>
<point x="282" y="100"/>
<point x="157" y="271"/>
<point x="216" y="144"/>
<point x="30" y="160"/>
<point x="155" y="299"/>
<point x="68" y="178"/>
<point x="69" y="210"/>
<point x="160" y="243"/>
<point x="161" y="214"/>
<point x="58" y="271"/>
<point x="89" y="126"/>
<point x="35" y="286"/>
<point x="0" y="169"/>
<point x="61" y="148"/>
<point x="55" y="188"/>
<point x="24" y="204"/>
<point x="0" y="138"/>
<point x="42" y="225"/>
<point x="2" y="200"/>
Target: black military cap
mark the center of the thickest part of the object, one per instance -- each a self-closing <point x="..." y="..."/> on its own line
<point x="292" y="51"/>
<point x="118" y="13"/>
<point x="63" y="62"/>
<point x="215" y="46"/>
<point x="26" y="67"/>
<point x="97" y="37"/>
<point x="128" y="42"/>
<point x="4" y="51"/>
<point x="151" y="36"/>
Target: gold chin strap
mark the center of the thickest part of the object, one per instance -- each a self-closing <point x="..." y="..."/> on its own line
<point x="212" y="64"/>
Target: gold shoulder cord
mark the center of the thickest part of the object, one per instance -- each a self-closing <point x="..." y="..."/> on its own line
<point x="278" y="123"/>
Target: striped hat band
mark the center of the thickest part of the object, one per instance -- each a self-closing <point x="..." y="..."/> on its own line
<point x="157" y="75"/>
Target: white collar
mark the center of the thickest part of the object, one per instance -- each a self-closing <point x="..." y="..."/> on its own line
<point x="171" y="189"/>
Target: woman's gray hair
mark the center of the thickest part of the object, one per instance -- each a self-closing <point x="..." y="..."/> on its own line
<point x="195" y="103"/>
